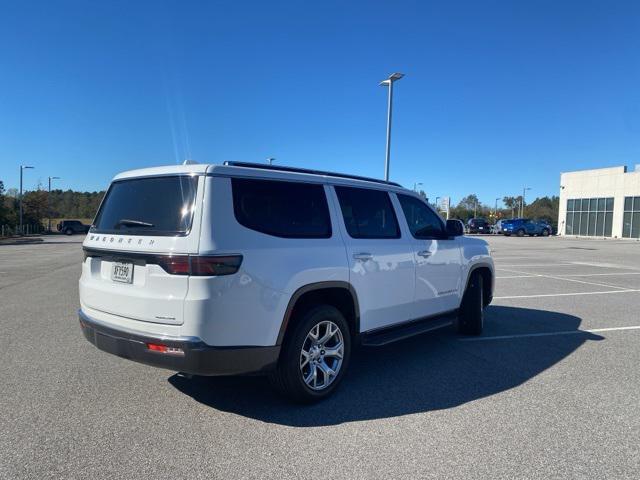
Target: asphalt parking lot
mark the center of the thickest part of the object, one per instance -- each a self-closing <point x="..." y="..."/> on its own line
<point x="551" y="389"/>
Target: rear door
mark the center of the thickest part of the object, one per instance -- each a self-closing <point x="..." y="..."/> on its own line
<point x="143" y="228"/>
<point x="438" y="259"/>
<point x="380" y="259"/>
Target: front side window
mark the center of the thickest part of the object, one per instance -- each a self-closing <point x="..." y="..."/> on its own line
<point x="148" y="206"/>
<point x="367" y="213"/>
<point x="423" y="222"/>
<point x="281" y="209"/>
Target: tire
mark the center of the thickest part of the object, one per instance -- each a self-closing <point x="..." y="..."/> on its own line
<point x="68" y="231"/>
<point x="520" y="233"/>
<point x="471" y="315"/>
<point x="289" y="375"/>
<point x="545" y="233"/>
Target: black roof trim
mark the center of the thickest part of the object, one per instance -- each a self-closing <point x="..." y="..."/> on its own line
<point x="279" y="168"/>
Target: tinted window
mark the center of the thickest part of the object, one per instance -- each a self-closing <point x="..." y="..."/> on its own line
<point x="610" y="204"/>
<point x="423" y="222"/>
<point x="148" y="206"/>
<point x="281" y="209"/>
<point x="367" y="213"/>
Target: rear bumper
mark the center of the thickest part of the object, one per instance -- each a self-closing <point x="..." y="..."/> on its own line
<point x="198" y="359"/>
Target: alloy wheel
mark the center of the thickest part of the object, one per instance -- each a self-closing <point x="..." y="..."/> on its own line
<point x="321" y="355"/>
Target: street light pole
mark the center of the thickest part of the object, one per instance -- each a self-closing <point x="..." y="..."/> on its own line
<point x="22" y="167"/>
<point x="524" y="190"/>
<point x="415" y="186"/>
<point x="49" y="201"/>
<point x="495" y="210"/>
<point x="389" y="83"/>
<point x="270" y="160"/>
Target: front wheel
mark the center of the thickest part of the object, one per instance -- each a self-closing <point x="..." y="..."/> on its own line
<point x="314" y="357"/>
<point x="471" y="315"/>
<point x="520" y="233"/>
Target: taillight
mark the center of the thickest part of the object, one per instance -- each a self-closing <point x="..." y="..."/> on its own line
<point x="174" y="264"/>
<point x="205" y="265"/>
<point x="213" y="265"/>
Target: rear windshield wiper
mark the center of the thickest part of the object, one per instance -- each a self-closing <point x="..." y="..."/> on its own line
<point x="133" y="223"/>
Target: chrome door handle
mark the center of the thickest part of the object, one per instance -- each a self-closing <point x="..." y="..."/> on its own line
<point x="424" y="253"/>
<point x="363" y="256"/>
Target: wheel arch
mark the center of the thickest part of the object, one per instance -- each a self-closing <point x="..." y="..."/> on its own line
<point x="339" y="294"/>
<point x="488" y="278"/>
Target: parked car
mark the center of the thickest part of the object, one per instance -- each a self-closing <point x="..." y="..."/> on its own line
<point x="497" y="227"/>
<point x="478" y="225"/>
<point x="525" y="226"/>
<point x="69" y="227"/>
<point x="245" y="268"/>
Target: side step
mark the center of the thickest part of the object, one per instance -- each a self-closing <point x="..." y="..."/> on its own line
<point x="380" y="337"/>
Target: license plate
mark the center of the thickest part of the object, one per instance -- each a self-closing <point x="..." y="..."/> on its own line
<point x="122" y="272"/>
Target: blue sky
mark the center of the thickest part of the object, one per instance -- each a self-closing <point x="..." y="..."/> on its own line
<point x="496" y="95"/>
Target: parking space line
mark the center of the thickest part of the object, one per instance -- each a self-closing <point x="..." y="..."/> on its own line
<point x="565" y="294"/>
<point x="598" y="274"/>
<point x="562" y="275"/>
<point x="518" y="276"/>
<point x="559" y="264"/>
<point x="604" y="265"/>
<point x="598" y="284"/>
<point x="546" y="334"/>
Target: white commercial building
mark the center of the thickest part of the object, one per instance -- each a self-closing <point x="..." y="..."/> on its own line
<point x="603" y="202"/>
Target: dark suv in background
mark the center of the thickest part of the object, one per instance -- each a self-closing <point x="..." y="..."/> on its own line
<point x="478" y="225"/>
<point x="69" y="227"/>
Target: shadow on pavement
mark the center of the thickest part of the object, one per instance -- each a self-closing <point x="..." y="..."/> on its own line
<point x="429" y="372"/>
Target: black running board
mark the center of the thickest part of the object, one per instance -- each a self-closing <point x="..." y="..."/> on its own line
<point x="384" y="336"/>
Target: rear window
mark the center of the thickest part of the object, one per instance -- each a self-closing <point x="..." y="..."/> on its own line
<point x="281" y="209"/>
<point x="160" y="206"/>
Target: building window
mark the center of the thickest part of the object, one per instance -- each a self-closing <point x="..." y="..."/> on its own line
<point x="631" y="219"/>
<point x="592" y="217"/>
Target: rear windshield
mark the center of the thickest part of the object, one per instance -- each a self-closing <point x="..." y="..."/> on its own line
<point x="148" y="206"/>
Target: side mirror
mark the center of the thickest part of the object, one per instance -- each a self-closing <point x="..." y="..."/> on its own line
<point x="455" y="228"/>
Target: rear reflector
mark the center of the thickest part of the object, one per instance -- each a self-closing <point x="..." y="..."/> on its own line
<point x="156" y="347"/>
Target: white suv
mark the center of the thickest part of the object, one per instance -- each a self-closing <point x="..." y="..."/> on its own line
<point x="246" y="268"/>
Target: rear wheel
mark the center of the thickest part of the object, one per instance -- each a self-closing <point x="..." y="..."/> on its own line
<point x="545" y="232"/>
<point x="314" y="357"/>
<point x="471" y="315"/>
<point x="68" y="231"/>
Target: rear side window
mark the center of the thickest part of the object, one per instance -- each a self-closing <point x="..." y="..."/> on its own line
<point x="423" y="222"/>
<point x="367" y="213"/>
<point x="148" y="206"/>
<point x="281" y="209"/>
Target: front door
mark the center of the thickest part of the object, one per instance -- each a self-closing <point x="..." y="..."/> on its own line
<point x="438" y="259"/>
<point x="381" y="260"/>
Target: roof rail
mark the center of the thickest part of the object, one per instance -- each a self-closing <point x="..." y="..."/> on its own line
<point x="280" y="168"/>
